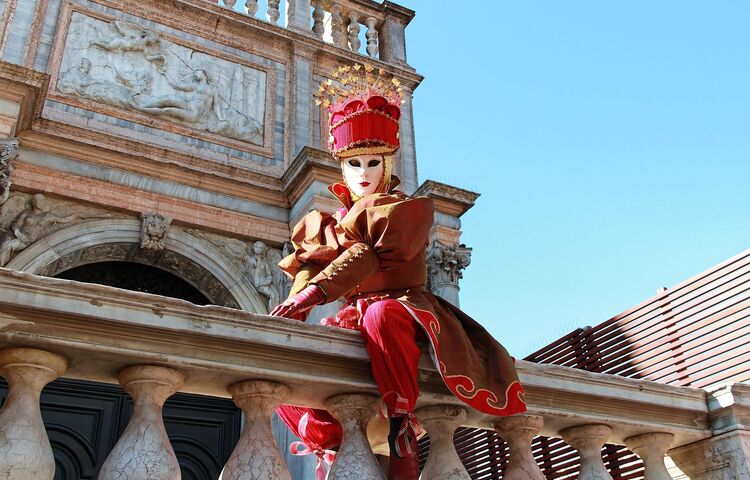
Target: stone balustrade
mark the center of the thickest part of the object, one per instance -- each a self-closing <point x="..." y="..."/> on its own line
<point x="364" y="27"/>
<point x="110" y="335"/>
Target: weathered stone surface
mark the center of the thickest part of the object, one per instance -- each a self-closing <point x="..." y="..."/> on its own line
<point x="354" y="460"/>
<point x="143" y="451"/>
<point x="652" y="447"/>
<point x="441" y="422"/>
<point x="256" y="456"/>
<point x="588" y="440"/>
<point x="25" y="451"/>
<point x="518" y="431"/>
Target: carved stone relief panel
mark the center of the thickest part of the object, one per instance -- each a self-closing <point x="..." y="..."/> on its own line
<point x="139" y="69"/>
<point x="8" y="153"/>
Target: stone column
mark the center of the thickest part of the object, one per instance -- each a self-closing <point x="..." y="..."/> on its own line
<point x="393" y="41"/>
<point x="354" y="459"/>
<point x="652" y="447"/>
<point x="301" y="104"/>
<point x="256" y="456"/>
<point x="408" y="150"/>
<point x="25" y="451"/>
<point x="441" y="422"/>
<point x="588" y="440"/>
<point x="518" y="431"/>
<point x="8" y="153"/>
<point x="144" y="451"/>
<point x="298" y="15"/>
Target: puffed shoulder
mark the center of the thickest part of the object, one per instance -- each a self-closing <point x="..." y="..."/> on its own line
<point x="396" y="227"/>
<point x="315" y="242"/>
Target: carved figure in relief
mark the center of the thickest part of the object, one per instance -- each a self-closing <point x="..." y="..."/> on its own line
<point x="129" y="37"/>
<point x="77" y="80"/>
<point x="197" y="102"/>
<point x="154" y="228"/>
<point x="29" y="225"/>
<point x="8" y="153"/>
<point x="260" y="263"/>
<point x="372" y="252"/>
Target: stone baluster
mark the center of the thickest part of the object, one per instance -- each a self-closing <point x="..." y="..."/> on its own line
<point x="518" y="431"/>
<point x="652" y="447"/>
<point x="588" y="440"/>
<point x="441" y="422"/>
<point x="252" y="7"/>
<point x="372" y="37"/>
<point x="256" y="455"/>
<point x="272" y="13"/>
<point x="144" y="451"/>
<point x="354" y="458"/>
<point x="318" y="15"/>
<point x="25" y="451"/>
<point x="230" y="4"/>
<point x="337" y="26"/>
<point x="354" y="42"/>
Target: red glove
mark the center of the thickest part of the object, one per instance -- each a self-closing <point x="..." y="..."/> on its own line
<point x="300" y="303"/>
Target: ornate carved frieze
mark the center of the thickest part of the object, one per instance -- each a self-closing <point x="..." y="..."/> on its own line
<point x="8" y="152"/>
<point x="24" y="219"/>
<point x="131" y="67"/>
<point x="258" y="263"/>
<point x="154" y="228"/>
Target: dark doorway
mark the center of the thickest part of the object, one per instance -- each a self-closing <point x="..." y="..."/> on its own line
<point x="136" y="277"/>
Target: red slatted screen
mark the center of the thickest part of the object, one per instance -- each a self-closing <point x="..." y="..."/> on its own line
<point x="695" y="334"/>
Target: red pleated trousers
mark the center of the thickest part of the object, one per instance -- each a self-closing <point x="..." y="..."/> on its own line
<point x="391" y="335"/>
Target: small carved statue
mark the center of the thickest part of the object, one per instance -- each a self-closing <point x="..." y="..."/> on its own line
<point x="154" y="228"/>
<point x="260" y="264"/>
<point x="29" y="225"/>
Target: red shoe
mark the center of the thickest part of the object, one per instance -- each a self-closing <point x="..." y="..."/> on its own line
<point x="402" y="440"/>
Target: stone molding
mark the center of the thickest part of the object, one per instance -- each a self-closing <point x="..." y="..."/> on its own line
<point x="25" y="87"/>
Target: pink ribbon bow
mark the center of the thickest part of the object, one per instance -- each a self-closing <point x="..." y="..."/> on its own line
<point x="324" y="457"/>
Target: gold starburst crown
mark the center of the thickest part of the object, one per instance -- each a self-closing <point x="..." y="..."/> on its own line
<point x="357" y="81"/>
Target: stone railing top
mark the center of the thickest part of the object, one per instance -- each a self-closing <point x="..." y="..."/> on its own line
<point x="101" y="330"/>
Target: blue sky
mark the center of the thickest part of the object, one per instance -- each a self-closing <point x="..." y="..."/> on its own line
<point x="610" y="142"/>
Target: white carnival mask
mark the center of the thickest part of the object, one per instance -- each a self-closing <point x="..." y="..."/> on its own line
<point x="363" y="174"/>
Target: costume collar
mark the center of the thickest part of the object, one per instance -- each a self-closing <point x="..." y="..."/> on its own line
<point x="342" y="192"/>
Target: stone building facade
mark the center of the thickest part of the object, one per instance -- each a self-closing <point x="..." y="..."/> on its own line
<point x="169" y="148"/>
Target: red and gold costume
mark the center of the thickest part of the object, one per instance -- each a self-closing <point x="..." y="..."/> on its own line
<point x="372" y="253"/>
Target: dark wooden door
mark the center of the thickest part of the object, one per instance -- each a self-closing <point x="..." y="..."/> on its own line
<point x="85" y="419"/>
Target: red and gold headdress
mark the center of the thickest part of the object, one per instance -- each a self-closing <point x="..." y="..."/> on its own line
<point x="364" y="109"/>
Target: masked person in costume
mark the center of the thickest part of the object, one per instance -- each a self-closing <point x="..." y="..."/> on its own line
<point x="371" y="252"/>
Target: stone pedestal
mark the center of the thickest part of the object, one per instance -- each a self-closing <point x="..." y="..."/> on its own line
<point x="441" y="422"/>
<point x="144" y="452"/>
<point x="256" y="456"/>
<point x="25" y="451"/>
<point x="723" y="457"/>
<point x="652" y="447"/>
<point x="354" y="460"/>
<point x="518" y="431"/>
<point x="588" y="440"/>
